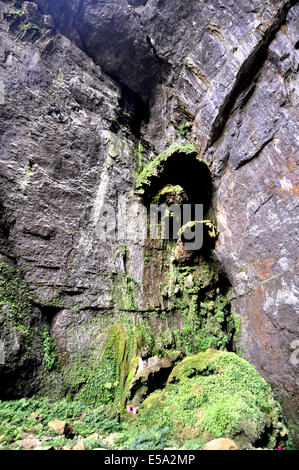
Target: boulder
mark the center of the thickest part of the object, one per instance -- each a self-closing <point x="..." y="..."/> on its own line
<point x="221" y="444"/>
<point x="80" y="445"/>
<point x="92" y="437"/>
<point x="214" y="394"/>
<point x="61" y="427"/>
<point x="44" y="448"/>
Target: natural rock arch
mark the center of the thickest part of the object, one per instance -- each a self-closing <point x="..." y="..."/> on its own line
<point x="178" y="165"/>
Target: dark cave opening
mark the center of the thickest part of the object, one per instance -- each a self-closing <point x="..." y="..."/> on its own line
<point x="133" y="112"/>
<point x="48" y="312"/>
<point x="190" y="173"/>
<point x="181" y="192"/>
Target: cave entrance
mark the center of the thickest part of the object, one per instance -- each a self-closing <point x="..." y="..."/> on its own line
<point x="185" y="291"/>
<point x="180" y="181"/>
<point x="179" y="166"/>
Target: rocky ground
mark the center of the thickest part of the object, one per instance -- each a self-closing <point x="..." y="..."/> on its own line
<point x="86" y="429"/>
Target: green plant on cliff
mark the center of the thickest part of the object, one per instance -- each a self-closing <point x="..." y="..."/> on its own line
<point x="153" y="167"/>
<point x="125" y="288"/>
<point x="102" y="377"/>
<point x="14" y="298"/>
<point x="96" y="377"/>
<point x="99" y="378"/>
<point x="38" y="351"/>
<point x="50" y="354"/>
<point x="29" y="25"/>
<point x="212" y="231"/>
<point x="171" y="194"/>
<point x="185" y="129"/>
<point x="207" y="323"/>
<point x="13" y="14"/>
<point x="139" y="150"/>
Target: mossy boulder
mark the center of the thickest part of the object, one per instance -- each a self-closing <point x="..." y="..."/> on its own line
<point x="171" y="194"/>
<point x="219" y="394"/>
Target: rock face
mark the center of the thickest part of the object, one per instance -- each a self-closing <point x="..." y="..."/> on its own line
<point x="23" y="335"/>
<point x="89" y="92"/>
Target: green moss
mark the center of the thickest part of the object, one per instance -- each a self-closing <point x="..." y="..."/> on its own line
<point x="207" y="322"/>
<point x="131" y="371"/>
<point x="271" y="278"/>
<point x="139" y="151"/>
<point x="171" y="194"/>
<point x="50" y="354"/>
<point x="37" y="346"/>
<point x="151" y="438"/>
<point x="193" y="365"/>
<point x="30" y="26"/>
<point x="154" y="167"/>
<point x="13" y="14"/>
<point x="15" y="299"/>
<point x="185" y="129"/>
<point x="154" y="400"/>
<point x="212" y="231"/>
<point x="29" y="171"/>
<point x="60" y="74"/>
<point x="103" y="378"/>
<point x="97" y="376"/>
<point x="219" y="393"/>
<point x="125" y="289"/>
<point x="146" y="256"/>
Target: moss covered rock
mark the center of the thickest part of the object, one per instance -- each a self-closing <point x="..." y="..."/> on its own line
<point x="171" y="194"/>
<point x="155" y="167"/>
<point x="27" y="350"/>
<point x="219" y="394"/>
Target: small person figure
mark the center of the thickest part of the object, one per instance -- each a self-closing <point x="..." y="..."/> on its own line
<point x="129" y="408"/>
<point x="135" y="411"/>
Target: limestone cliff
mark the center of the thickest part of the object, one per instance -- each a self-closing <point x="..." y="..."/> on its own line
<point x="90" y="92"/>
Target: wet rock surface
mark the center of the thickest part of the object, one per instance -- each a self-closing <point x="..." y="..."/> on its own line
<point x="75" y="109"/>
